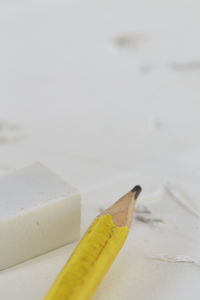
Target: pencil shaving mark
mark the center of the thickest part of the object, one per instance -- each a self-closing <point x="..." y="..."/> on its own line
<point x="9" y="140"/>
<point x="180" y="199"/>
<point x="9" y="133"/>
<point x="142" y="209"/>
<point x="145" y="69"/>
<point x="179" y="259"/>
<point x="129" y="41"/>
<point x="155" y="124"/>
<point x="101" y="209"/>
<point x="185" y="66"/>
<point x="10" y="126"/>
<point x="150" y="221"/>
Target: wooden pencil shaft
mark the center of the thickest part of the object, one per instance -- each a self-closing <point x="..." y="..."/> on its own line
<point x="95" y="253"/>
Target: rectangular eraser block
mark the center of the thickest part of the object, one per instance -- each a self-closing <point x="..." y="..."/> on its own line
<point x="39" y="212"/>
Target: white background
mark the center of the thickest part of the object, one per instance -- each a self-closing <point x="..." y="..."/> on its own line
<point x="107" y="94"/>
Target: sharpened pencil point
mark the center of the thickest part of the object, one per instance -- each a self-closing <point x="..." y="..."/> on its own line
<point x="137" y="190"/>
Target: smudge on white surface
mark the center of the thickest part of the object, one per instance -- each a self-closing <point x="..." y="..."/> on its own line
<point x="178" y="259"/>
<point x="129" y="41"/>
<point x="185" y="66"/>
<point x="181" y="200"/>
<point x="145" y="69"/>
<point x="155" y="124"/>
<point x="7" y="140"/>
<point x="150" y="221"/>
<point x="142" y="209"/>
<point x="9" y="133"/>
<point x="101" y="209"/>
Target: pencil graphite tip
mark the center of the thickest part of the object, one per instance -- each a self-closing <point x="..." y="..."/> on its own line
<point x="122" y="210"/>
<point x="137" y="190"/>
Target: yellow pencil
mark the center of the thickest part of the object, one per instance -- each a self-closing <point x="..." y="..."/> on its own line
<point x="95" y="252"/>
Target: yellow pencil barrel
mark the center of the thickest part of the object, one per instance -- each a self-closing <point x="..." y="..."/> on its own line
<point x="90" y="261"/>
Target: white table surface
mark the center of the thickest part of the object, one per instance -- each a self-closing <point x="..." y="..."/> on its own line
<point x="107" y="94"/>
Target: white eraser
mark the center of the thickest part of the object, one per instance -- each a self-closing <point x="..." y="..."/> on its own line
<point x="39" y="212"/>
